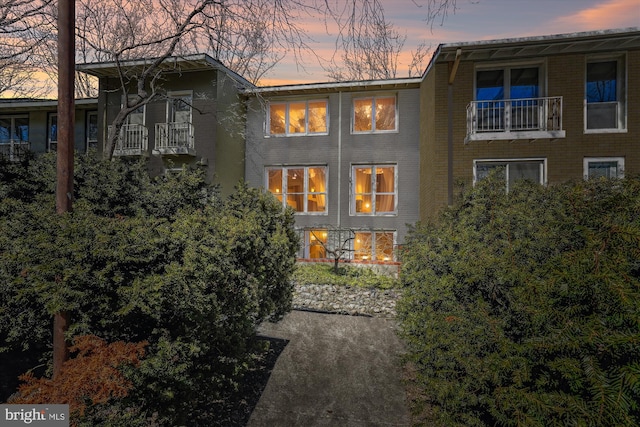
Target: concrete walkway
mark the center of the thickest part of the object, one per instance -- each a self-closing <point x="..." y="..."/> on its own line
<point x="335" y="370"/>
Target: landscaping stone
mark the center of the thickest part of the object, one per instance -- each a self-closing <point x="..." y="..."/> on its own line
<point x="346" y="300"/>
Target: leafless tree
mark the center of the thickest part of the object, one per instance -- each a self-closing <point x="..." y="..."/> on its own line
<point x="23" y="27"/>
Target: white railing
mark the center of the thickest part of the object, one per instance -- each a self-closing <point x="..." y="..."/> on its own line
<point x="514" y="115"/>
<point x="12" y="149"/>
<point x="175" y="138"/>
<point x="133" y="140"/>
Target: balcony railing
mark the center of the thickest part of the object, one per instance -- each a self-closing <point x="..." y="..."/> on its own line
<point x="13" y="150"/>
<point x="175" y="138"/>
<point x="133" y="140"/>
<point x="530" y="118"/>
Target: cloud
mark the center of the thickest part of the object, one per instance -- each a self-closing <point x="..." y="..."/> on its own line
<point x="608" y="14"/>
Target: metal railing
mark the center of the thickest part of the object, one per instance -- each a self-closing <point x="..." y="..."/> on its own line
<point x="175" y="138"/>
<point x="515" y="115"/>
<point x="13" y="150"/>
<point x="133" y="139"/>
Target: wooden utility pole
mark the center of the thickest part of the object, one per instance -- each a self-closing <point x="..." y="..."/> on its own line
<point x="64" y="165"/>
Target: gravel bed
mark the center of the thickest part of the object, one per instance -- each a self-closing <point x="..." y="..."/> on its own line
<point x="346" y="300"/>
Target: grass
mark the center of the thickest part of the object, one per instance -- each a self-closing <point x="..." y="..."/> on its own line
<point x="324" y="274"/>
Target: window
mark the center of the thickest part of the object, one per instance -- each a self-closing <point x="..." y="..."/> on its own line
<point x="304" y="188"/>
<point x="14" y="135"/>
<point x="375" y="114"/>
<point x="298" y="118"/>
<point x="374" y="190"/>
<point x="519" y="85"/>
<point x="373" y="246"/>
<point x="52" y="140"/>
<point x="316" y="244"/>
<point x="605" y="94"/>
<point x="513" y="170"/>
<point x="92" y="130"/>
<point x="607" y="167"/>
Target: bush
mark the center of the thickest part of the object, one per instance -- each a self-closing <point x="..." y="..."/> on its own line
<point x="324" y="274"/>
<point x="187" y="272"/>
<point x="523" y="308"/>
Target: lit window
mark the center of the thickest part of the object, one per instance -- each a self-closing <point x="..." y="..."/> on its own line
<point x="302" y="188"/>
<point x="374" y="190"/>
<point x="513" y="170"/>
<point x="298" y="118"/>
<point x="317" y="243"/>
<point x="373" y="246"/>
<point x="376" y="114"/>
<point x="604" y="95"/>
<point x="604" y="167"/>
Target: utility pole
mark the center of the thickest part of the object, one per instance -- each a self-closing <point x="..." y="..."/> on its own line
<point x="64" y="165"/>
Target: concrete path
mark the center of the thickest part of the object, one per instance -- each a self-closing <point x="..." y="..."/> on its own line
<point x="336" y="370"/>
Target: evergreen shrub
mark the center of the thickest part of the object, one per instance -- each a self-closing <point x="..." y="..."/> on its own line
<point x="522" y="308"/>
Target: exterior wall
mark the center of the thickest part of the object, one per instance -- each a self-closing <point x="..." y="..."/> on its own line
<point x="339" y="150"/>
<point x="565" y="76"/>
<point x="219" y="145"/>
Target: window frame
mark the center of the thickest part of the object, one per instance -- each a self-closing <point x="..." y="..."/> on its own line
<point x="588" y="160"/>
<point x="353" y="193"/>
<point x="170" y="109"/>
<point x="373" y="256"/>
<point x="373" y="99"/>
<point x="306" y="193"/>
<point x="287" y="105"/>
<point x="621" y="91"/>
<point x="542" y="160"/>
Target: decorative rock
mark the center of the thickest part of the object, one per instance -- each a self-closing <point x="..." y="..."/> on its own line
<point x="346" y="300"/>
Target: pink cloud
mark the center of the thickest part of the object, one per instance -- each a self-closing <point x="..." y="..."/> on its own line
<point x="608" y="14"/>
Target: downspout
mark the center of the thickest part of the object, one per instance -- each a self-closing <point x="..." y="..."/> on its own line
<point x="339" y="158"/>
<point x="453" y="68"/>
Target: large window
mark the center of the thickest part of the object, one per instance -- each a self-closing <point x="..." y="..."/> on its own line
<point x="606" y="167"/>
<point x="512" y="170"/>
<point x="509" y="98"/>
<point x="298" y="118"/>
<point x="304" y="188"/>
<point x="375" y="114"/>
<point x="373" y="246"/>
<point x="605" y="94"/>
<point x="374" y="190"/>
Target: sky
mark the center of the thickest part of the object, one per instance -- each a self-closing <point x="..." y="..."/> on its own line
<point x="472" y="20"/>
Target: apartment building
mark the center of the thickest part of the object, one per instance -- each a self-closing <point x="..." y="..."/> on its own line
<point x="31" y="125"/>
<point x="358" y="161"/>
<point x="344" y="157"/>
<point x="548" y="109"/>
<point x="196" y="118"/>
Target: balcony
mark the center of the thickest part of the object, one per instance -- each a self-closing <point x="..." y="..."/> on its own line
<point x="512" y="119"/>
<point x="133" y="140"/>
<point x="175" y="139"/>
<point x="13" y="150"/>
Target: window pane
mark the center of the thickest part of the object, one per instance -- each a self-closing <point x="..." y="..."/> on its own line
<point x="385" y="114"/>
<point x="92" y="127"/>
<point x="362" y="109"/>
<point x="384" y="246"/>
<point x="5" y="130"/>
<point x="22" y="128"/>
<point x="362" y="246"/>
<point x="489" y="85"/>
<point x="295" y="189"/>
<point x="296" y="201"/>
<point x="53" y="128"/>
<point x="603" y="169"/>
<point x="317" y="243"/>
<point x="363" y="180"/>
<point x="276" y="118"/>
<point x="529" y="171"/>
<point x="317" y="117"/>
<point x="524" y="83"/>
<point x="601" y="81"/>
<point x="363" y="203"/>
<point x="316" y="201"/>
<point x="297" y="117"/>
<point x="385" y="179"/>
<point x="275" y="182"/>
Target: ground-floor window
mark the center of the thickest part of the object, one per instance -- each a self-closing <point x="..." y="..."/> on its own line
<point x="347" y="244"/>
<point x="607" y="167"/>
<point x="533" y="170"/>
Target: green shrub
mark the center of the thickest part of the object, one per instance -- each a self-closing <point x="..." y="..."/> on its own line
<point x="324" y="274"/>
<point x="522" y="308"/>
<point x="187" y="272"/>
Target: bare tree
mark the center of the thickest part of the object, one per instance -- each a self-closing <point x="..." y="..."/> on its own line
<point x="23" y="27"/>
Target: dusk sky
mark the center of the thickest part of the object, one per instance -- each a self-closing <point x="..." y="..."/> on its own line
<point x="473" y="20"/>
